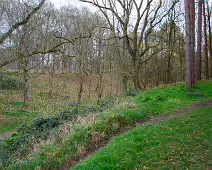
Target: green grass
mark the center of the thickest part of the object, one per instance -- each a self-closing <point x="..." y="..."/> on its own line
<point x="124" y="115"/>
<point x="168" y="99"/>
<point x="18" y="104"/>
<point x="10" y="120"/>
<point x="10" y="125"/>
<point x="21" y="113"/>
<point x="178" y="143"/>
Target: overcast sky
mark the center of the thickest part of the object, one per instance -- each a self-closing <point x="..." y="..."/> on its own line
<point x="59" y="3"/>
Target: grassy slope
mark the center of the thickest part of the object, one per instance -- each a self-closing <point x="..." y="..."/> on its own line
<point x="165" y="100"/>
<point x="179" y="143"/>
<point x="168" y="99"/>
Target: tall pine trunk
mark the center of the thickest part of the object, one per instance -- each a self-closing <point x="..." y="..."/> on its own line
<point x="192" y="11"/>
<point x="206" y="44"/>
<point x="199" y="42"/>
<point x="190" y="24"/>
<point x="210" y="38"/>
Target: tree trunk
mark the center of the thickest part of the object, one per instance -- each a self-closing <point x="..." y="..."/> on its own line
<point x="189" y="42"/>
<point x="210" y="38"/>
<point x="51" y="77"/>
<point x="135" y="75"/>
<point x="168" y="80"/>
<point x="206" y="44"/>
<point x="70" y="65"/>
<point x="124" y="83"/>
<point x="26" y="83"/>
<point x="136" y="81"/>
<point x="90" y="83"/>
<point x="170" y="51"/>
<point x="42" y="63"/>
<point x="199" y="42"/>
<point x="192" y="11"/>
<point x="80" y="89"/>
<point x="100" y="89"/>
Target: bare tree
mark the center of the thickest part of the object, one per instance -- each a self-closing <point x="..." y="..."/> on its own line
<point x="147" y="18"/>
<point x="22" y="22"/>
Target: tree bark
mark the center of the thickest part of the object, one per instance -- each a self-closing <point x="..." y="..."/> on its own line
<point x="206" y="44"/>
<point x="100" y="88"/>
<point x="189" y="42"/>
<point x="192" y="41"/>
<point x="26" y="82"/>
<point x="210" y="38"/>
<point x="199" y="42"/>
<point x="124" y="83"/>
<point x="80" y="89"/>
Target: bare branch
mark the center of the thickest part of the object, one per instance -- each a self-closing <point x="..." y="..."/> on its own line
<point x="23" y="22"/>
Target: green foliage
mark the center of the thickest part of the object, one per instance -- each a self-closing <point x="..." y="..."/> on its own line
<point x="182" y="143"/>
<point x="196" y="94"/>
<point x="9" y="80"/>
<point x="131" y="92"/>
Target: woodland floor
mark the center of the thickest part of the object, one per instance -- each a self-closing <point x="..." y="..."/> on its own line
<point x="65" y="92"/>
<point x="146" y="111"/>
<point x="156" y="119"/>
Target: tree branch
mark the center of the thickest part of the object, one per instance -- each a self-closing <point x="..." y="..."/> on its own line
<point x="23" y="22"/>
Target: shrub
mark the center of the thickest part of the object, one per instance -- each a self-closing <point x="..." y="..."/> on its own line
<point x="131" y="92"/>
<point x="195" y="94"/>
<point x="10" y="81"/>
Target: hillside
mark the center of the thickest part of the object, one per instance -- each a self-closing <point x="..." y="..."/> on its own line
<point x="60" y="141"/>
<point x="179" y="143"/>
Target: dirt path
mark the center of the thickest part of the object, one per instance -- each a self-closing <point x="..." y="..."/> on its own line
<point x="153" y="120"/>
<point x="177" y="114"/>
<point x="5" y="135"/>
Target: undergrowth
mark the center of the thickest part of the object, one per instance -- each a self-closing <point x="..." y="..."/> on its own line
<point x="22" y="142"/>
<point x="10" y="80"/>
<point x="16" y="151"/>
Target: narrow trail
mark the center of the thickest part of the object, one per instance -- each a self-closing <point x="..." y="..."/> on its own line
<point x="153" y="120"/>
<point x="177" y="114"/>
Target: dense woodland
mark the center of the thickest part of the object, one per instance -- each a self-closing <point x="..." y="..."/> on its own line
<point x="134" y="44"/>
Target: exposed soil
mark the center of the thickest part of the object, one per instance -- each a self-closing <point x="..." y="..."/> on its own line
<point x="5" y="135"/>
<point x="153" y="120"/>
